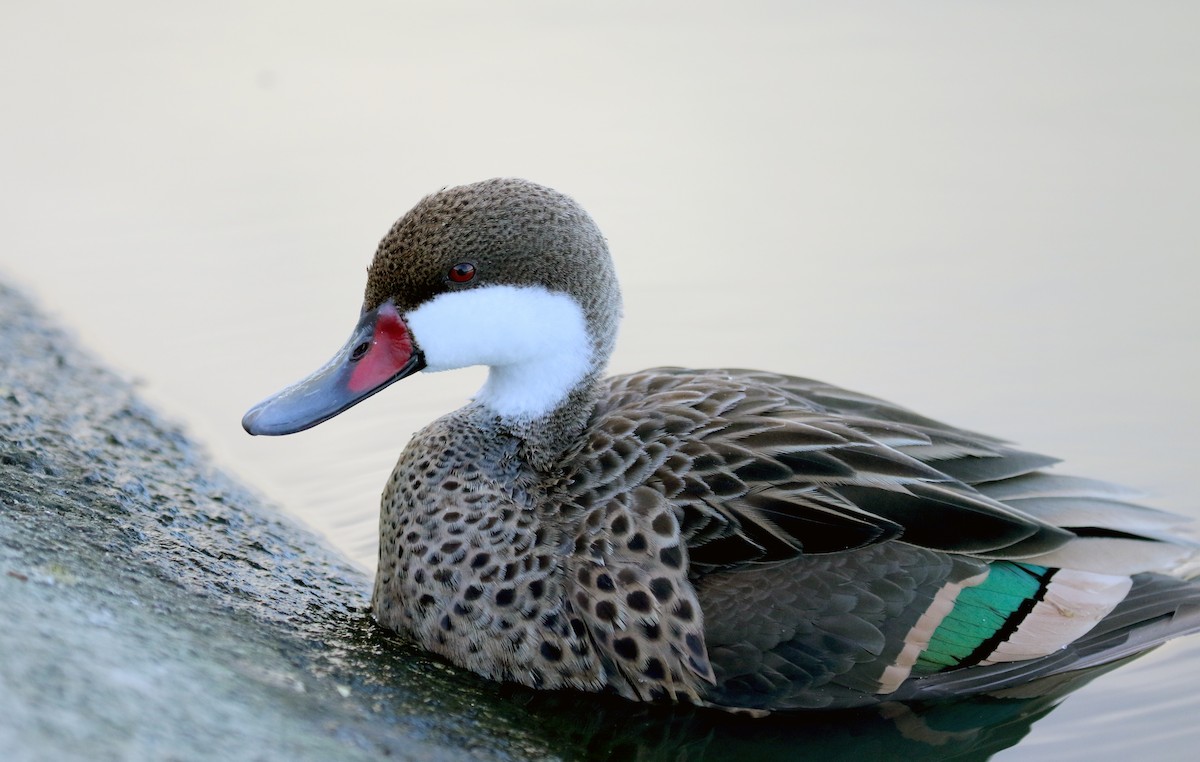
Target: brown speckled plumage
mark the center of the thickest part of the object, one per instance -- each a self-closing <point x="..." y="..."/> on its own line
<point x="470" y="560"/>
<point x="735" y="538"/>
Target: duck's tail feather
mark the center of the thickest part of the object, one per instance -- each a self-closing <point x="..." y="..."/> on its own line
<point x="1113" y="534"/>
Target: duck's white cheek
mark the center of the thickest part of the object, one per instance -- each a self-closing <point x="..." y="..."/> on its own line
<point x="535" y="341"/>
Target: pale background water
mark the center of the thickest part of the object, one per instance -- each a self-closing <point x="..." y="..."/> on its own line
<point x="989" y="212"/>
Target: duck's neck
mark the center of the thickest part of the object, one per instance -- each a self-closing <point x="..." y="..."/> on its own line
<point x="547" y="439"/>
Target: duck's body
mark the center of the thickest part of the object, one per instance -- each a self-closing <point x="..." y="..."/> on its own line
<point x="734" y="538"/>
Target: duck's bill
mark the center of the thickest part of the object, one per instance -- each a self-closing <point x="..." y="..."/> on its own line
<point x="380" y="352"/>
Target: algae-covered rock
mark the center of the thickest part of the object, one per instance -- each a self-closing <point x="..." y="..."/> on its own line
<point x="152" y="608"/>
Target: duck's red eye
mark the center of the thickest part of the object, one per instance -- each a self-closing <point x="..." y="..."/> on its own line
<point x="462" y="272"/>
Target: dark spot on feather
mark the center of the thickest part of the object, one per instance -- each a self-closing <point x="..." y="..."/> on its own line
<point x="693" y="520"/>
<point x="651" y="630"/>
<point x="446" y="624"/>
<point x="663" y="525"/>
<point x="671" y="556"/>
<point x="480" y="560"/>
<point x="662" y="588"/>
<point x="694" y="644"/>
<point x="620" y="525"/>
<point x="605" y="583"/>
<point x="606" y="611"/>
<point x="684" y="610"/>
<point x="550" y="652"/>
<point x="504" y="596"/>
<point x="654" y="669"/>
<point x="637" y="542"/>
<point x="472" y="592"/>
<point x="626" y="648"/>
<point x="638" y="601"/>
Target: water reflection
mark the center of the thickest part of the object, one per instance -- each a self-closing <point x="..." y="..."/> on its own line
<point x="595" y="728"/>
<point x="408" y="687"/>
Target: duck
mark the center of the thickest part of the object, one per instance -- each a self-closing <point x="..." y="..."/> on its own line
<point x="737" y="539"/>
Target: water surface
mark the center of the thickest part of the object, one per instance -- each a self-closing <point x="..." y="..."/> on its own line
<point x="985" y="212"/>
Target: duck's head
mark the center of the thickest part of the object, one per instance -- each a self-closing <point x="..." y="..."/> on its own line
<point x="502" y="273"/>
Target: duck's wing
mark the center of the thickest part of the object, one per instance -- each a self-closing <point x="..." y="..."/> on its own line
<point x="762" y="467"/>
<point x="956" y="578"/>
<point x="1110" y="531"/>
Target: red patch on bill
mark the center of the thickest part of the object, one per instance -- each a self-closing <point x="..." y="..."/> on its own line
<point x="391" y="349"/>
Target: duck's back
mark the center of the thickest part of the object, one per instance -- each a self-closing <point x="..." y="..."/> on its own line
<point x="770" y="542"/>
